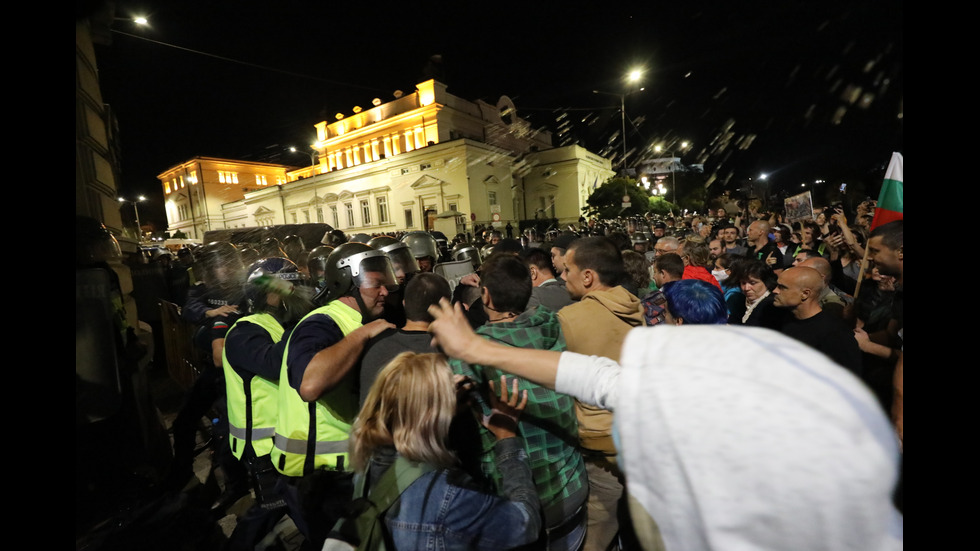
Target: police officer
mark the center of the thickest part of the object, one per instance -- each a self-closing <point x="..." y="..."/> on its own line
<point x="317" y="386"/>
<point x="424" y="249"/>
<point x="278" y="296"/>
<point x="405" y="266"/>
<point x="214" y="305"/>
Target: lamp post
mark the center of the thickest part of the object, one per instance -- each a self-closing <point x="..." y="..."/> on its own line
<point x="634" y="76"/>
<point x="312" y="154"/>
<point x="659" y="149"/>
<point x="139" y="227"/>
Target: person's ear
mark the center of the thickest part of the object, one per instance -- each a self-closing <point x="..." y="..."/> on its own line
<point x="901" y="253"/>
<point x="587" y="276"/>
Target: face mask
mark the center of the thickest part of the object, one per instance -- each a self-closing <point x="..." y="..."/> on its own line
<point x="720" y="275"/>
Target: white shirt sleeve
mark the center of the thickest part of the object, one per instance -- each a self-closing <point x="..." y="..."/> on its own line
<point x="590" y="379"/>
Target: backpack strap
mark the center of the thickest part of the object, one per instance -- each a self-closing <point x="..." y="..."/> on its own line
<point x="396" y="480"/>
<point x="371" y="505"/>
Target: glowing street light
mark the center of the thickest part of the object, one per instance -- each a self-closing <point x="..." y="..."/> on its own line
<point x="312" y="154"/>
<point x="633" y="76"/>
<point x="139" y="227"/>
<point x="659" y="149"/>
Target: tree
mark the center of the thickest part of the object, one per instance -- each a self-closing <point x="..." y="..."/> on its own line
<point x="663" y="207"/>
<point x="607" y="200"/>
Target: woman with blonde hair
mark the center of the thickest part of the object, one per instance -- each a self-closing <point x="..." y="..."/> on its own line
<point x="405" y="422"/>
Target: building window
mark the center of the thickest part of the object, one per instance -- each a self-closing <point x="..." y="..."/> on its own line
<point x="492" y="197"/>
<point x="452" y="206"/>
<point x="225" y="177"/>
<point x="295" y="221"/>
<point x="350" y="214"/>
<point x="382" y="210"/>
<point x="406" y="170"/>
<point x="306" y="216"/>
<point x="409" y="222"/>
<point x="334" y="216"/>
<point x="425" y="166"/>
<point x="261" y="180"/>
<point x="319" y="215"/>
<point x="365" y="212"/>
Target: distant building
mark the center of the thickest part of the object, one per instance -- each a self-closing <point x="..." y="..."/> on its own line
<point x="397" y="166"/>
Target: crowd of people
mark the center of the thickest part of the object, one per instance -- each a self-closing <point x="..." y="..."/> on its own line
<point x="689" y="382"/>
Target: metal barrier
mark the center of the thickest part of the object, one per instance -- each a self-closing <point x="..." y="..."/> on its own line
<point x="183" y="359"/>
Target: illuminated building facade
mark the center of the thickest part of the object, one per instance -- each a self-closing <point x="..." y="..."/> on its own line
<point x="398" y="166"/>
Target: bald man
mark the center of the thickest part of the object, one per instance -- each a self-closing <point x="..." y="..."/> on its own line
<point x="761" y="247"/>
<point x="798" y="293"/>
<point x="830" y="301"/>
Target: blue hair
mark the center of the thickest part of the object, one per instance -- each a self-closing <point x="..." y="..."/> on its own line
<point x="696" y="302"/>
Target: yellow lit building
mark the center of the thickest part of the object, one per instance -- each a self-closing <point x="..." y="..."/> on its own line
<point x="396" y="166"/>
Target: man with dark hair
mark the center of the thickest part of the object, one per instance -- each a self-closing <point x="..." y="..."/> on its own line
<point x="887" y="250"/>
<point x="317" y="387"/>
<point x="422" y="291"/>
<point x="667" y="268"/>
<point x="545" y="291"/>
<point x="730" y="236"/>
<point x="593" y="270"/>
<point x="548" y="423"/>
<point x="558" y="250"/>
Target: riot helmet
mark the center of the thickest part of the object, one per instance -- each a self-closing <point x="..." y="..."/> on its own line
<point x="466" y="251"/>
<point x="360" y="238"/>
<point x="249" y="255"/>
<point x="402" y="259"/>
<point x="294" y="247"/>
<point x="271" y="275"/>
<point x="334" y="238"/>
<point x="424" y="249"/>
<point x="94" y="243"/>
<point x="316" y="264"/>
<point x="352" y="267"/>
<point x="271" y="247"/>
<point x="219" y="264"/>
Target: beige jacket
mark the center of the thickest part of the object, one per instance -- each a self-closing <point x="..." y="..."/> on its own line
<point x="597" y="326"/>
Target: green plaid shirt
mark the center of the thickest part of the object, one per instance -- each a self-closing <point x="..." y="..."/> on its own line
<point x="548" y="424"/>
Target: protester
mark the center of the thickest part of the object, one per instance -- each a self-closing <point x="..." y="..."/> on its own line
<point x="761" y="397"/>
<point x="406" y="418"/>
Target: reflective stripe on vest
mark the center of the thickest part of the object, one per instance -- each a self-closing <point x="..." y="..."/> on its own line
<point x="329" y="417"/>
<point x="253" y="404"/>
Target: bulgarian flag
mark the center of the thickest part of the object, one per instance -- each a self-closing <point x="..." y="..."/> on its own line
<point x="889" y="206"/>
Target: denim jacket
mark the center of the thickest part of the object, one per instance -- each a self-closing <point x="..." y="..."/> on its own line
<point x="447" y="510"/>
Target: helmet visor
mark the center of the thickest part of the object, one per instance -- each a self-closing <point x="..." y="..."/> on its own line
<point x="403" y="262"/>
<point x="373" y="272"/>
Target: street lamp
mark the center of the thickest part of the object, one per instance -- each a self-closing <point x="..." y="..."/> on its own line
<point x="634" y="76"/>
<point x="139" y="227"/>
<point x="312" y="154"/>
<point x="659" y="149"/>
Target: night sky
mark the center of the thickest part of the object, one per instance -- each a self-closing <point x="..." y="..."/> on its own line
<point x="798" y="90"/>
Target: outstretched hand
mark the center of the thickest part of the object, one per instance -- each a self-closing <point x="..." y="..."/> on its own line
<point x="505" y="410"/>
<point x="451" y="330"/>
